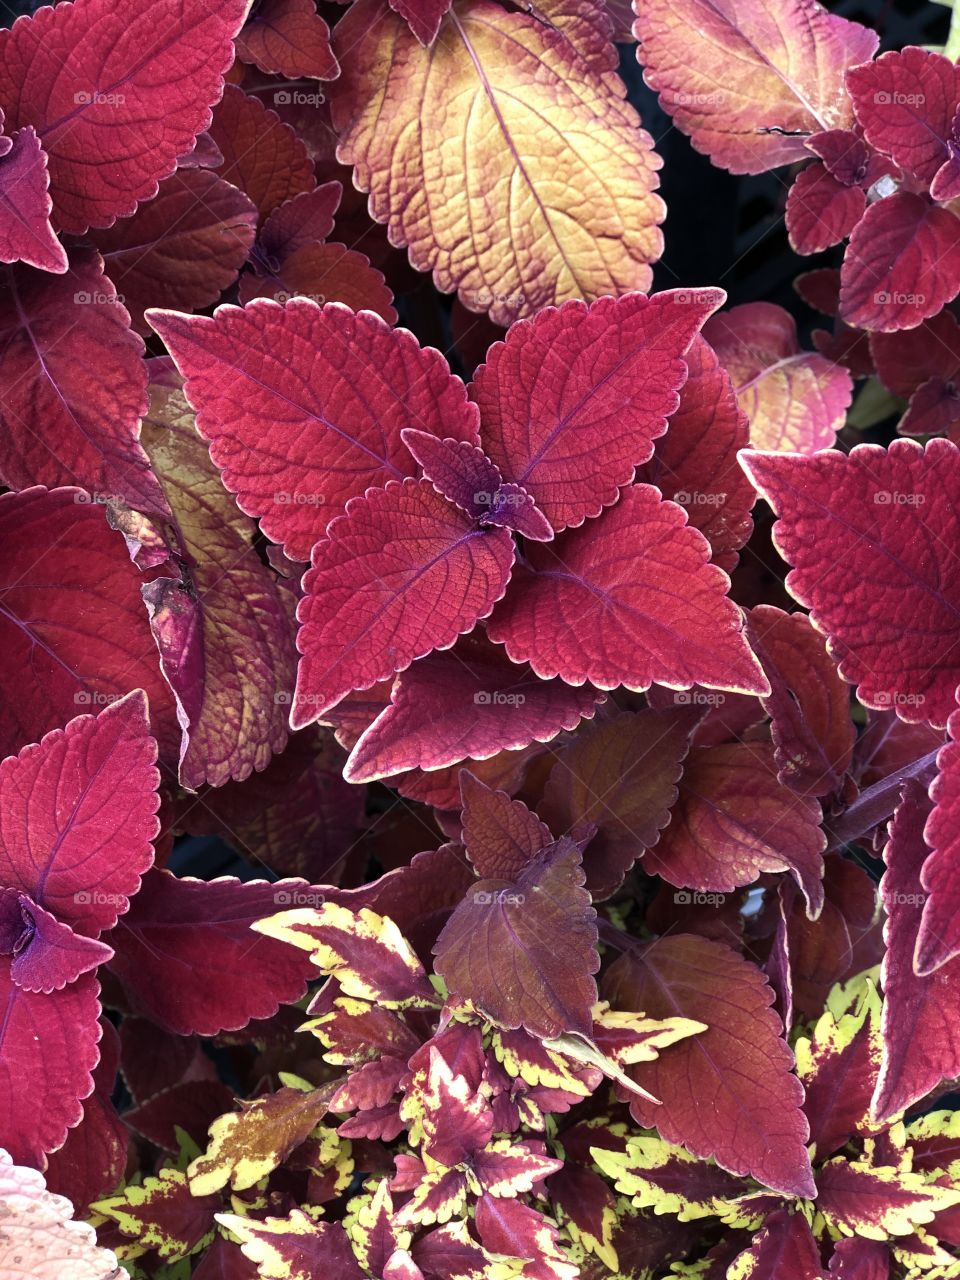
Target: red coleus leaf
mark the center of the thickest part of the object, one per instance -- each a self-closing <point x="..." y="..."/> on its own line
<point x="501" y="836"/>
<point x="118" y="93"/>
<point x="508" y="1226"/>
<point x="621" y="775"/>
<point x="809" y="704"/>
<point x="480" y="704"/>
<point x="161" y="1213"/>
<point x="182" y="943"/>
<point x="323" y="273"/>
<point x="573" y="400"/>
<point x="72" y="616"/>
<point x="748" y="85"/>
<point x="261" y="155"/>
<point x="288" y="38"/>
<point x="423" y="16"/>
<point x="25" y="231"/>
<point x="921" y="1015"/>
<point x="728" y="1092"/>
<point x="902" y="264"/>
<point x="303" y="407"/>
<point x="300" y="221"/>
<point x="93" y="1159"/>
<point x="939" y="937"/>
<point x="78" y="817"/>
<point x="402" y="573"/>
<point x="795" y="400"/>
<point x="48" y="1050"/>
<point x="785" y="1249"/>
<point x="295" y="1248"/>
<point x="857" y="1259"/>
<point x="47" y="954"/>
<point x="821" y="210"/>
<point x="844" y="153"/>
<point x="695" y="463"/>
<point x="75" y="385"/>
<point x="191" y="1106"/>
<point x="905" y="103"/>
<point x="734" y="821"/>
<point x="665" y="613"/>
<point x="224" y="628"/>
<point x="183" y="248"/>
<point x="889" y="628"/>
<point x="498" y="948"/>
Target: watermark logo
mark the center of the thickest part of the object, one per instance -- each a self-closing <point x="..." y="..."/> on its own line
<point x="895" y="498"/>
<point x="887" y="698"/>
<point x="695" y="498"/>
<point x="884" y="98"/>
<point x="94" y="98"/>
<point x="497" y="698"/>
<point x="297" y="498"/>
<point x="86" y="298"/>
<point x="83" y="498"/>
<point x="95" y="898"/>
<point x="92" y="698"/>
<point x="501" y="898"/>
<point x="297" y="98"/>
<point x="886" y="299"/>
<point x="698" y="698"/>
<point x="697" y="898"/>
<point x="298" y="898"/>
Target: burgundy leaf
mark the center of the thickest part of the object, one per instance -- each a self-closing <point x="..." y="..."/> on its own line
<point x="261" y="155"/>
<point x="939" y="937"/>
<point x="323" y="273"/>
<point x="573" y="400"/>
<point x="498" y="948"/>
<point x="402" y="573"/>
<point x="620" y="774"/>
<point x="115" y="95"/>
<point x="47" y="955"/>
<point x="288" y="38"/>
<point x="646" y="575"/>
<point x="303" y="406"/>
<point x="729" y="1092"/>
<point x="183" y="248"/>
<point x="183" y="942"/>
<point x="302" y="220"/>
<point x="821" y="211"/>
<point x="501" y="836"/>
<point x="25" y="231"/>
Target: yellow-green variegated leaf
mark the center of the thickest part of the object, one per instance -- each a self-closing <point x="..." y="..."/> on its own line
<point x="877" y="1201"/>
<point x="249" y="1144"/>
<point x="839" y="1064"/>
<point x="162" y="1215"/>
<point x="667" y="1179"/>
<point x="365" y="952"/>
<point x="934" y="1140"/>
<point x="508" y="165"/>
<point x="372" y="1229"/>
<point x="295" y="1248"/>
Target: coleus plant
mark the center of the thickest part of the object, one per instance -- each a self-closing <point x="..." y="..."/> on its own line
<point x="579" y="967"/>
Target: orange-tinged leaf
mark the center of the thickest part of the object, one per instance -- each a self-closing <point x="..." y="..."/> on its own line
<point x="499" y="156"/>
<point x="747" y="79"/>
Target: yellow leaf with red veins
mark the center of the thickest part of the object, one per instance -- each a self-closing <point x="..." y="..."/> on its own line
<point x="502" y="157"/>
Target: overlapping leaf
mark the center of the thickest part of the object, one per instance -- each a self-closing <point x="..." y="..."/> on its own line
<point x="794" y="400"/>
<point x="748" y="83"/>
<point x="939" y="937"/>
<point x="114" y="95"/>
<point x="261" y="155"/>
<point x="461" y="168"/>
<point x="25" y="231"/>
<point x="288" y="38"/>
<point x="889" y="626"/>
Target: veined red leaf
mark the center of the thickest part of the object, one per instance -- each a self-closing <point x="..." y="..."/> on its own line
<point x="225" y="629"/>
<point x="323" y="273"/>
<point x="890" y="628"/>
<point x="581" y="220"/>
<point x="39" y="1231"/>
<point x="821" y="210"/>
<point x="183" y="248"/>
<point x="75" y="385"/>
<point x="784" y="1249"/>
<point x="857" y="1259"/>
<point x="422" y="16"/>
<point x="921" y="1015"/>
<point x="72" y="616"/>
<point x="877" y="1201"/>
<point x="25" y="231"/>
<point x="695" y="463"/>
<point x="794" y="400"/>
<point x="47" y="954"/>
<point x="501" y="836"/>
<point x="728" y="1092"/>
<point x="747" y="84"/>
<point x="480" y="704"/>
<point x="402" y="573"/>
<point x="300" y="221"/>
<point x="48" y="1050"/>
<point x="498" y="948"/>
<point x="162" y="1215"/>
<point x="261" y="155"/>
<point x="845" y="155"/>
<point x="295" y="1248"/>
<point x="182" y="943"/>
<point x="809" y="705"/>
<point x="79" y="814"/>
<point x="192" y="1106"/>
<point x="939" y="937"/>
<point x="905" y="102"/>
<point x="621" y="775"/>
<point x="902" y="264"/>
<point x="734" y="821"/>
<point x="303" y="406"/>
<point x="288" y="38"/>
<point x="115" y="92"/>
<point x="573" y="400"/>
<point x="664" y="610"/>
